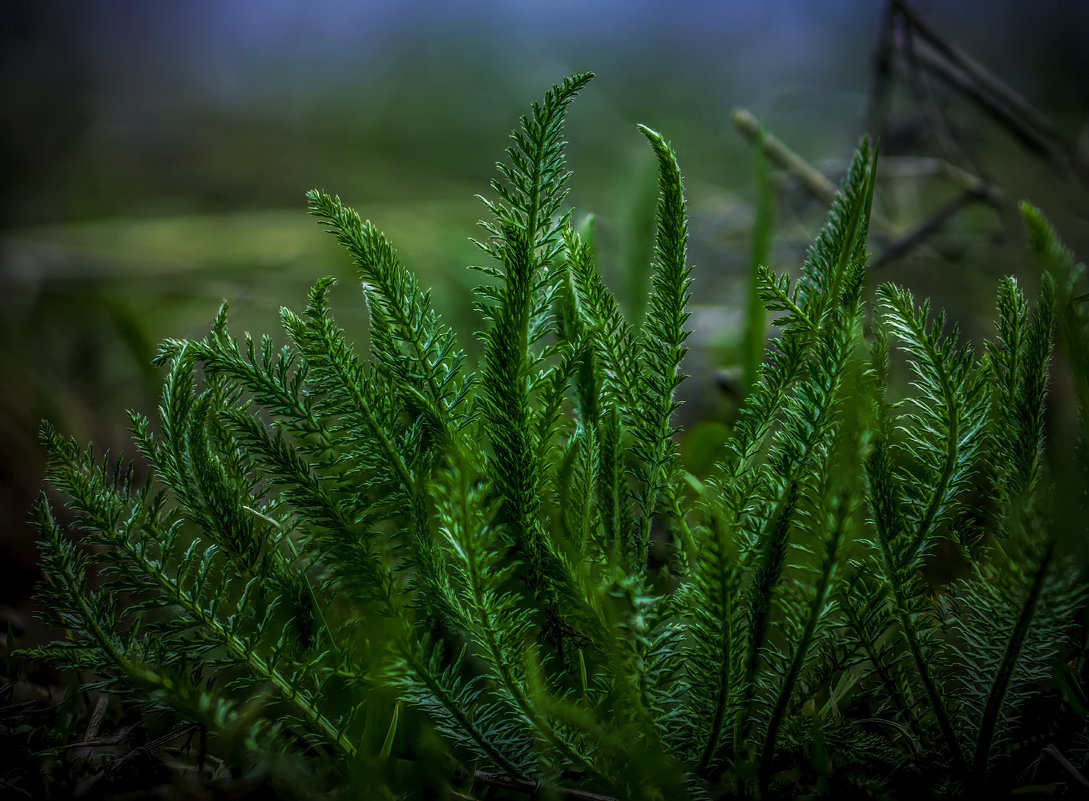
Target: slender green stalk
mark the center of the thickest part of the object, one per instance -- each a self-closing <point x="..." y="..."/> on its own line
<point x="1010" y="658"/>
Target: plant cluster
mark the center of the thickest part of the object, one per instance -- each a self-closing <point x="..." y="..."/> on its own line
<point x="417" y="577"/>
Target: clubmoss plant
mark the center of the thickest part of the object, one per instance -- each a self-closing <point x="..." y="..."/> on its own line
<point x="417" y="576"/>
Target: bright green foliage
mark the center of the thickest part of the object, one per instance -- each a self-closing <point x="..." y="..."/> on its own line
<point x="337" y="553"/>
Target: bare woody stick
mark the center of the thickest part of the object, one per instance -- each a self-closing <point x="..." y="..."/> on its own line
<point x="979" y="75"/>
<point x="817" y="184"/>
<point x="1027" y="124"/>
<point x="812" y="180"/>
<point x="902" y="166"/>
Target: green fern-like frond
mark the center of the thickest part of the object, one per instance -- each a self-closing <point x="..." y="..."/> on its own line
<point x="942" y="423"/>
<point x="662" y="342"/>
<point x="1019" y="362"/>
<point x="526" y="236"/>
<point x="411" y="343"/>
<point x="508" y="412"/>
<point x="899" y="561"/>
<point x="423" y="580"/>
<point x="354" y="402"/>
<point x="534" y="189"/>
<point x="1014" y="617"/>
<point x="522" y="385"/>
<point x="483" y="606"/>
<point x="868" y="632"/>
<point x="834" y="264"/>
<point x="614" y="341"/>
<point x="714" y="657"/>
<point x="735" y="596"/>
<point x="460" y="708"/>
<point x="1072" y="312"/>
<point x="809" y="606"/>
<point x="212" y="595"/>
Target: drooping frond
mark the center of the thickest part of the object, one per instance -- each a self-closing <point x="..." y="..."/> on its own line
<point x="417" y="349"/>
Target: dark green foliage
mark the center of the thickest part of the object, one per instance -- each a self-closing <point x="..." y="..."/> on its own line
<point x="506" y="580"/>
<point x="1070" y="293"/>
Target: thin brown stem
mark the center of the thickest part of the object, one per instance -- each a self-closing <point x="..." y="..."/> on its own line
<point x="812" y="180"/>
<point x="922" y="232"/>
<point x="1027" y="124"/>
<point x="982" y="79"/>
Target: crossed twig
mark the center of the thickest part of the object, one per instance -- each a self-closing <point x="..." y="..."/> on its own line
<point x="929" y="58"/>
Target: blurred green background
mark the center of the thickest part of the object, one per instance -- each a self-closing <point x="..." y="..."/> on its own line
<point x="154" y="157"/>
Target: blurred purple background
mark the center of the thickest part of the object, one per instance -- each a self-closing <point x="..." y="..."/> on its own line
<point x="154" y="156"/>
<point x="112" y="105"/>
